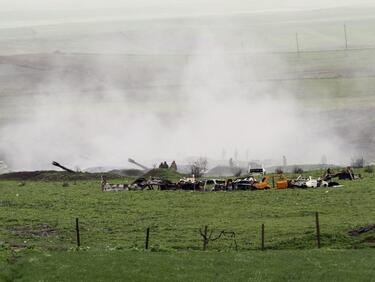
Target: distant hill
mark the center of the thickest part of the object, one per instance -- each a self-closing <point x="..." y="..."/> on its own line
<point x="51" y="175"/>
<point x="127" y="172"/>
<point x="304" y="167"/>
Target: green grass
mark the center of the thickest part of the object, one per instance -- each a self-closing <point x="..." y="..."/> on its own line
<point x="118" y="220"/>
<point x="314" y="265"/>
<point x="39" y="218"/>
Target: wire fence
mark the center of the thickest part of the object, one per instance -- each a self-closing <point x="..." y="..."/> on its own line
<point x="84" y="234"/>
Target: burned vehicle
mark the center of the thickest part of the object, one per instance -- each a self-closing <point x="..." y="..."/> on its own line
<point x="348" y="175"/>
<point x="107" y="187"/>
<point x="243" y="183"/>
<point x="345" y="174"/>
<point x="213" y="184"/>
<point x="304" y="182"/>
<point x="309" y="182"/>
<point x="251" y="183"/>
<point x="189" y="184"/>
<point x="263" y="184"/>
<point x="153" y="183"/>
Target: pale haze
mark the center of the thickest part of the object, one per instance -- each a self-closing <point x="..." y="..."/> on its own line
<point x="97" y="82"/>
<point x="236" y="5"/>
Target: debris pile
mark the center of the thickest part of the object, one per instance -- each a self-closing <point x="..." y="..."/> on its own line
<point x="153" y="183"/>
<point x="360" y="230"/>
<point x="107" y="187"/>
<point x="154" y="180"/>
<point x="345" y="174"/>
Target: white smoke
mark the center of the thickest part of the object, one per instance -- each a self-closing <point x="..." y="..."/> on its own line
<point x="219" y="103"/>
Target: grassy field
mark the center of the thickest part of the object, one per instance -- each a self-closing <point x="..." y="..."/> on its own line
<point x="313" y="265"/>
<point x="38" y="227"/>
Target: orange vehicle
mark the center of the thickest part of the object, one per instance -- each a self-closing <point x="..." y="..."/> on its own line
<point x="263" y="184"/>
<point x="282" y="183"/>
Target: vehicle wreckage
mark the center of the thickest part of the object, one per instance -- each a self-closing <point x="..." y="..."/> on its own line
<point x="107" y="187"/>
<point x="247" y="183"/>
<point x="305" y="182"/>
<point x="155" y="183"/>
<point x="251" y="183"/>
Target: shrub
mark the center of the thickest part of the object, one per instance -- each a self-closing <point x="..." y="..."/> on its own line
<point x="297" y="169"/>
<point x="199" y="167"/>
<point x="358" y="163"/>
<point x="369" y="169"/>
<point x="279" y="170"/>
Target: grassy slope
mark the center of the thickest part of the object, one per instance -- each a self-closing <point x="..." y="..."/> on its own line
<point x="38" y="226"/>
<point x="117" y="220"/>
<point x="166" y="174"/>
<point x="313" y="265"/>
<point x="51" y="175"/>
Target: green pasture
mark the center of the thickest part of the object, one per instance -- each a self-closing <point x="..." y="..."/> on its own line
<point x="306" y="265"/>
<point x="38" y="229"/>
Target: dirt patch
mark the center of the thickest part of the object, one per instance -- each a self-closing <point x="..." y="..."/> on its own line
<point x="40" y="230"/>
<point x="369" y="240"/>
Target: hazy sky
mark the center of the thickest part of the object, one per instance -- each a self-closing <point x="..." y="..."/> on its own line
<point x="164" y="6"/>
<point x="19" y="13"/>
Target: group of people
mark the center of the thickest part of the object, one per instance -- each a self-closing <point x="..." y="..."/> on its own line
<point x="164" y="164"/>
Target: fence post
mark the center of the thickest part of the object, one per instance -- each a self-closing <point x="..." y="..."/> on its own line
<point x="205" y="240"/>
<point x="317" y="229"/>
<point x="147" y="237"/>
<point x="77" y="232"/>
<point x="273" y="181"/>
<point x="262" y="234"/>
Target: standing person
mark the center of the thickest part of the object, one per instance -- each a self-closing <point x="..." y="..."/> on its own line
<point x="328" y="175"/>
<point x="104" y="182"/>
<point x="173" y="166"/>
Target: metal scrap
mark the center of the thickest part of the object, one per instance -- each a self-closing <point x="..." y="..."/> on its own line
<point x="360" y="230"/>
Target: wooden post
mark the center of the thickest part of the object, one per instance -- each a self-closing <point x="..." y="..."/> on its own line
<point x="273" y="181"/>
<point x="317" y="229"/>
<point x="205" y="241"/>
<point x="262" y="237"/>
<point x="78" y="235"/>
<point x="147" y="237"/>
